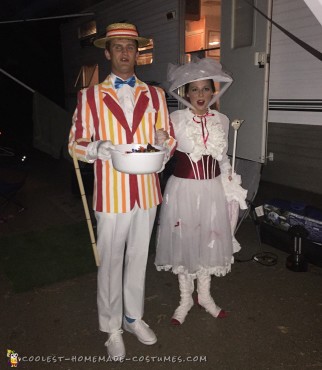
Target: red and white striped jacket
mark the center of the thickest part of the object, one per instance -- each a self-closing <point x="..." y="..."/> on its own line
<point x="99" y="116"/>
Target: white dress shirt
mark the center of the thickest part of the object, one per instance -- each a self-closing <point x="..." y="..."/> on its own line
<point x="125" y="95"/>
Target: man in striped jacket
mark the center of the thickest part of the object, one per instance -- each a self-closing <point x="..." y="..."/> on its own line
<point x="121" y="110"/>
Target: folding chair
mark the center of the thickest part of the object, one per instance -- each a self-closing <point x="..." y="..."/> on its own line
<point x="250" y="173"/>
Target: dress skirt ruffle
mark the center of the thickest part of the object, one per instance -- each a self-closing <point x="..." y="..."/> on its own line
<point x="194" y="234"/>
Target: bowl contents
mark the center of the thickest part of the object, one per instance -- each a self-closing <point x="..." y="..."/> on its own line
<point x="149" y="149"/>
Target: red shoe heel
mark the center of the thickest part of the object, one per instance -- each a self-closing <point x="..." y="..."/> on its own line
<point x="175" y="322"/>
<point x="197" y="302"/>
<point x="222" y="313"/>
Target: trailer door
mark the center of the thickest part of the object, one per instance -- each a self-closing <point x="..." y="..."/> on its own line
<point x="245" y="49"/>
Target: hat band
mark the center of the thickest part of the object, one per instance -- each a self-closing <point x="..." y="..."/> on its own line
<point x="122" y="33"/>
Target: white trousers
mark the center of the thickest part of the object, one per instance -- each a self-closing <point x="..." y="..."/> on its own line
<point x="123" y="245"/>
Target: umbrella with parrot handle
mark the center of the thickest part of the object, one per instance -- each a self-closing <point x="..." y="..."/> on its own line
<point x="233" y="205"/>
<point x="236" y="123"/>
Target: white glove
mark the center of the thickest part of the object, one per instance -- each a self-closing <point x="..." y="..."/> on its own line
<point x="234" y="191"/>
<point x="160" y="137"/>
<point x="99" y="150"/>
<point x="104" y="150"/>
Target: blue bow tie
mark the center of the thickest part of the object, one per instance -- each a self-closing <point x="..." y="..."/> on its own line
<point x="119" y="83"/>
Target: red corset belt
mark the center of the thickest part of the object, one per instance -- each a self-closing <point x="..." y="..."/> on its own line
<point x="206" y="168"/>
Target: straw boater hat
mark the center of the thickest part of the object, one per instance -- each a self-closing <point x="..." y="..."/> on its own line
<point x="121" y="31"/>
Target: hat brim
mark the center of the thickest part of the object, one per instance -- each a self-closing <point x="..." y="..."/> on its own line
<point x="197" y="70"/>
<point x="101" y="43"/>
<point x="213" y="100"/>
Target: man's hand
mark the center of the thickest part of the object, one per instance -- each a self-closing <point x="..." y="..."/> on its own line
<point x="104" y="150"/>
<point x="161" y="136"/>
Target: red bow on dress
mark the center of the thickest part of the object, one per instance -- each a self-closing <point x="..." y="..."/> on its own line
<point x="203" y="122"/>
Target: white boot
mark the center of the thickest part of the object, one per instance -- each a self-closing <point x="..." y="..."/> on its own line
<point x="204" y="298"/>
<point x="186" y="286"/>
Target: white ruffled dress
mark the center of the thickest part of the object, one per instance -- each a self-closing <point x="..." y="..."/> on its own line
<point x="194" y="233"/>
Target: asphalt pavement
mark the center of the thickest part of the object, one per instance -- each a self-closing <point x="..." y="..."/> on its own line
<point x="274" y="317"/>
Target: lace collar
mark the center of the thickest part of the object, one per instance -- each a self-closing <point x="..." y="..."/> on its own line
<point x="207" y="135"/>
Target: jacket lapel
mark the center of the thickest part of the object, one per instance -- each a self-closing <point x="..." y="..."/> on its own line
<point x="111" y="101"/>
<point x="141" y="103"/>
<point x="140" y="107"/>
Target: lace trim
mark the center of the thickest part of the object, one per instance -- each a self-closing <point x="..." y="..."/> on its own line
<point x="215" y="143"/>
<point x="217" y="271"/>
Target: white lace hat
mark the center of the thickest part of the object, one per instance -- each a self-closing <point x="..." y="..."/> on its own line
<point x="196" y="70"/>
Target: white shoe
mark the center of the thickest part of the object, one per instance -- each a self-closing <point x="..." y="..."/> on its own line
<point x="142" y="330"/>
<point x="115" y="346"/>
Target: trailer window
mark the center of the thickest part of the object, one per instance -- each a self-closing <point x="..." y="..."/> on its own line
<point x="87" y="29"/>
<point x="86" y="33"/>
<point x="202" y="28"/>
<point x="87" y="76"/>
<point x="146" y="54"/>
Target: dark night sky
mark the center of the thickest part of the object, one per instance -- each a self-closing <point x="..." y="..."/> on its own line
<point x="31" y="52"/>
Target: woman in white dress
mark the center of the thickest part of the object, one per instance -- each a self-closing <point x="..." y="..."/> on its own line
<point x="194" y="237"/>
